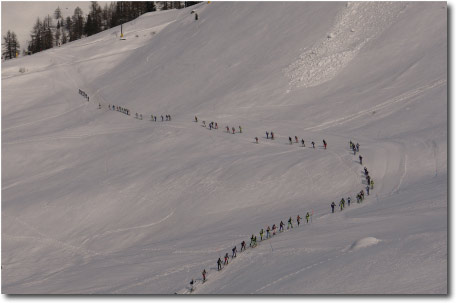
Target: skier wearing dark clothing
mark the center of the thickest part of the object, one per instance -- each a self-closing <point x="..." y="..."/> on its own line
<point x="204" y="275"/>
<point x="348" y="201"/>
<point x="290" y="223"/>
<point x="256" y="139"/>
<point x="332" y="206"/>
<point x="367" y="190"/>
<point x="267" y="135"/>
<point x="191" y="285"/>
<point x="298" y="219"/>
<point x="281" y="226"/>
<point x="268" y="232"/>
<point x="360" y="159"/>
<point x="219" y="264"/>
<point x="227" y="129"/>
<point x="261" y="234"/>
<point x="234" y="250"/>
<point x="313" y="144"/>
<point x="252" y="238"/>
<point x="307" y="217"/>
<point x="368" y="180"/>
<point x="233" y="129"/>
<point x="242" y="245"/>
<point x="302" y="141"/>
<point x="162" y="117"/>
<point x="289" y="139"/>
<point x="226" y="259"/>
<point x="357" y="147"/>
<point x="274" y="227"/>
<point x="272" y="135"/>
<point x="324" y="143"/>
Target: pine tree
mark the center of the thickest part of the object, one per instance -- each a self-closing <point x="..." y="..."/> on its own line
<point x="58" y="13"/>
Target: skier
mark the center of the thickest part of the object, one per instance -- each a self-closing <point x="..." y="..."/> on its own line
<point x="261" y="234"/>
<point x="307" y="217"/>
<point x="227" y="129"/>
<point x="367" y="190"/>
<point x="360" y="159"/>
<point x="290" y="222"/>
<point x="162" y="117"/>
<point x="332" y="206"/>
<point x="155" y="118"/>
<point x="204" y="275"/>
<point x="272" y="136"/>
<point x="341" y="205"/>
<point x="313" y="144"/>
<point x="298" y="219"/>
<point x="234" y="250"/>
<point x="256" y="139"/>
<point x="233" y="129"/>
<point x="324" y="143"/>
<point x="240" y="129"/>
<point x="342" y="202"/>
<point x="268" y="232"/>
<point x="351" y="144"/>
<point x="348" y="201"/>
<point x="289" y="139"/>
<point x="274" y="229"/>
<point x="210" y="126"/>
<point x="226" y="259"/>
<point x="296" y="139"/>
<point x="196" y="119"/>
<point x="357" y="146"/>
<point x="255" y="241"/>
<point x="251" y="240"/>
<point x="136" y="115"/>
<point x="191" y="285"/>
<point x="216" y="125"/>
<point x="243" y="245"/>
<point x="358" y="198"/>
<point x="99" y="105"/>
<point x="267" y="135"/>
<point x="219" y="264"/>
<point x="151" y="117"/>
<point x="354" y="150"/>
<point x="365" y="171"/>
<point x="368" y="178"/>
<point x="302" y="141"/>
<point x="281" y="226"/>
<point x="372" y="184"/>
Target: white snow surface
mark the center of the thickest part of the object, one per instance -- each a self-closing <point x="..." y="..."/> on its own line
<point x="95" y="201"/>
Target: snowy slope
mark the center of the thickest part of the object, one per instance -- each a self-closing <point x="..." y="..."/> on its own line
<point x="95" y="201"/>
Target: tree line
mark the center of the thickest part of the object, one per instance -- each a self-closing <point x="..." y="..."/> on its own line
<point x="56" y="30"/>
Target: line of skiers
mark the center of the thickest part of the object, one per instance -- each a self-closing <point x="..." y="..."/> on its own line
<point x="84" y="94"/>
<point x="121" y="109"/>
<point x="354" y="147"/>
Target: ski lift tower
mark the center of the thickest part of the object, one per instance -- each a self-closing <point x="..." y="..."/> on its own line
<point x="121" y="33"/>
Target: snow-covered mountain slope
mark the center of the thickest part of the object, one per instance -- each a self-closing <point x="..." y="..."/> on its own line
<point x="95" y="201"/>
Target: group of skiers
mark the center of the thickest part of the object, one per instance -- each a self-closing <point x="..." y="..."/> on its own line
<point x="290" y="140"/>
<point x="121" y="109"/>
<point x="369" y="183"/>
<point x="84" y="94"/>
<point x="354" y="147"/>
<point x="264" y="234"/>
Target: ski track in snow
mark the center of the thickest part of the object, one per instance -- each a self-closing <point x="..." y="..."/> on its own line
<point x="108" y="232"/>
<point x="401" y="98"/>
